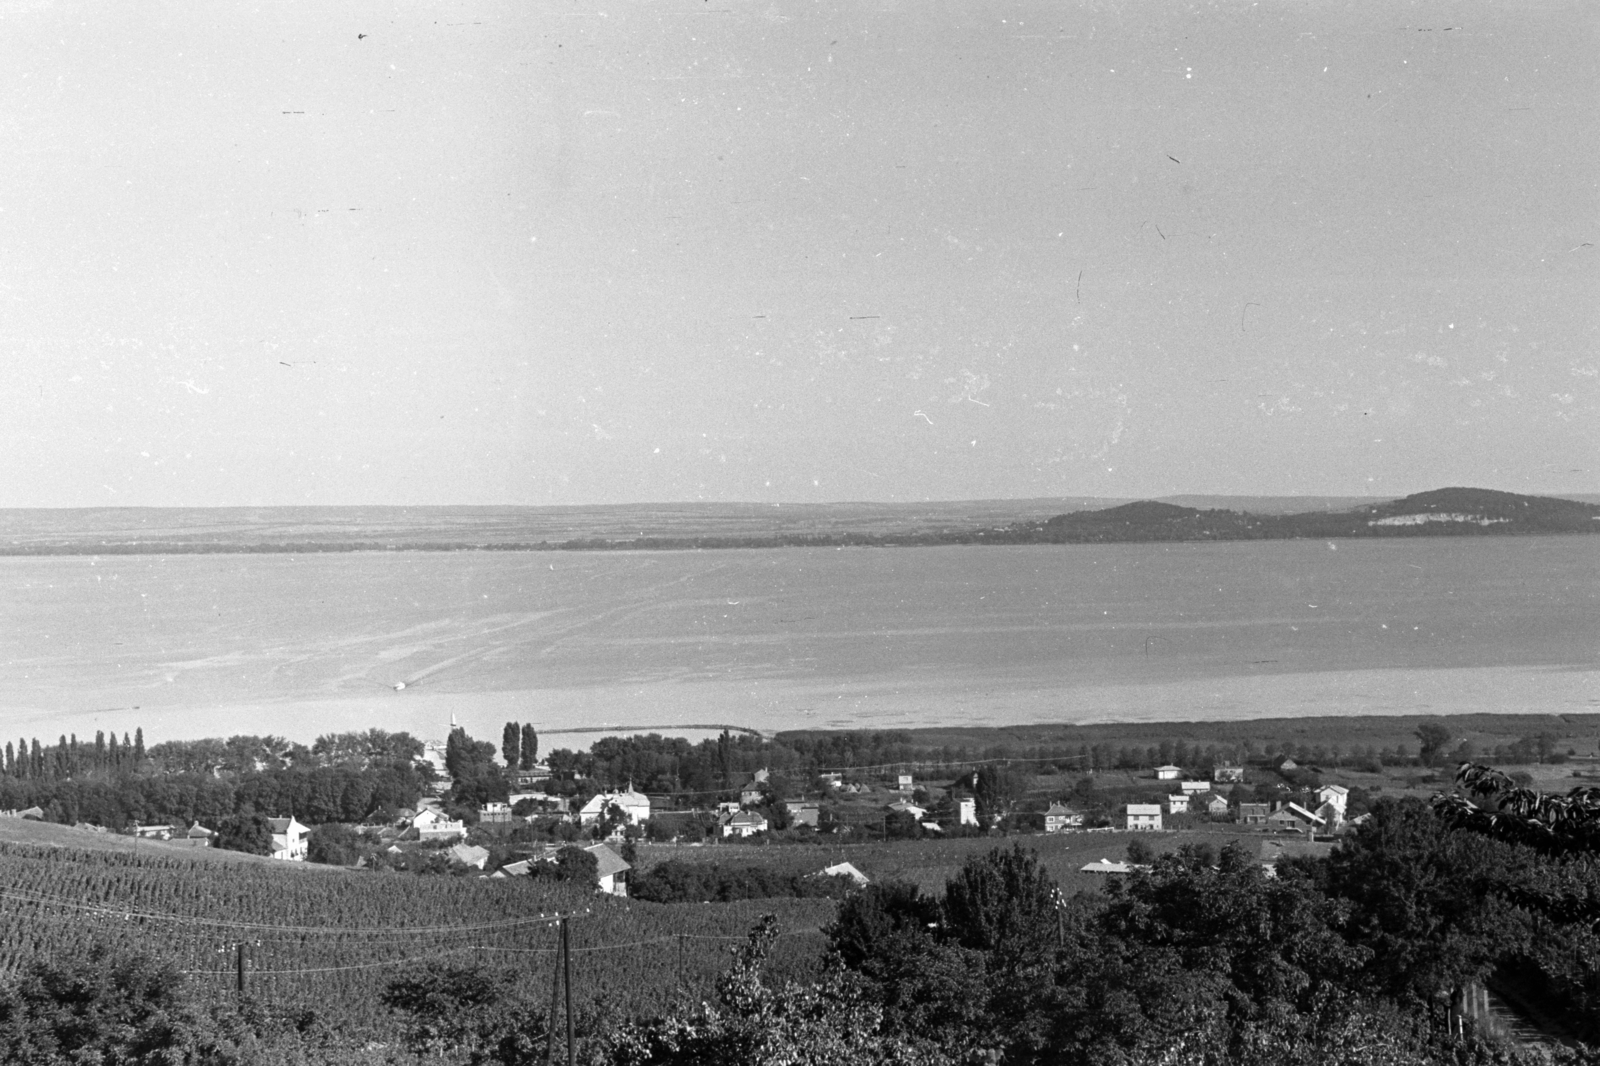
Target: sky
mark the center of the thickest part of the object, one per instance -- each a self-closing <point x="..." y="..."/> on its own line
<point x="586" y="252"/>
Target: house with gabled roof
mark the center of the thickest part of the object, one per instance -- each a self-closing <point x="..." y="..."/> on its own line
<point x="611" y="871"/>
<point x="907" y="807"/>
<point x="1217" y="806"/>
<point x="1336" y="795"/>
<point x="744" y="824"/>
<point x="1293" y="816"/>
<point x="468" y="855"/>
<point x="198" y="836"/>
<point x="1058" y="818"/>
<point x="635" y="806"/>
<point x="433" y="824"/>
<point x="289" y="839"/>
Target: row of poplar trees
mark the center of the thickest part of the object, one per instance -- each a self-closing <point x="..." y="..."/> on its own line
<point x="519" y="746"/>
<point x="70" y="758"/>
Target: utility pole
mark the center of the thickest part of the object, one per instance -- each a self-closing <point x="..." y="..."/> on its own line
<point x="566" y="981"/>
<point x="239" y="968"/>
<point x="555" y="1001"/>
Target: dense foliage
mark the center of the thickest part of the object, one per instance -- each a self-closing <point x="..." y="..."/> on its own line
<point x="676" y="881"/>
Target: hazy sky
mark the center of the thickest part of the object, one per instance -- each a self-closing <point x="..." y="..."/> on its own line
<point x="597" y="251"/>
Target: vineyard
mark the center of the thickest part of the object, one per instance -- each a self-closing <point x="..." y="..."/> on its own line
<point x="324" y="947"/>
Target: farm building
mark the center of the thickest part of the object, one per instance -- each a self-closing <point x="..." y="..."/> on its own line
<point x="1144" y="816"/>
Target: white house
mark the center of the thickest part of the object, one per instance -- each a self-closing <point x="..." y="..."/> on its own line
<point x="610" y="870"/>
<point x="635" y="806"/>
<point x="433" y="824"/>
<point x="902" y="783"/>
<point x="967" y="811"/>
<point x="1217" y="806"/>
<point x="1058" y="818"/>
<point x="495" y="814"/>
<point x="1336" y="795"/>
<point x="1144" y="816"/>
<point x="1106" y="866"/>
<point x="1178" y="803"/>
<point x="1168" y="772"/>
<point x="288" y="839"/>
<point x="744" y="824"/>
<point x="1191" y="787"/>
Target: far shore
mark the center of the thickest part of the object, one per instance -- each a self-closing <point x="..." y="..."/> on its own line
<point x="576" y="717"/>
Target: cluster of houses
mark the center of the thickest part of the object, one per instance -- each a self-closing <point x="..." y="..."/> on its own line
<point x="1197" y="797"/>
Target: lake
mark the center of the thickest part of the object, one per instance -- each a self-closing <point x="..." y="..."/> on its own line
<point x="796" y="638"/>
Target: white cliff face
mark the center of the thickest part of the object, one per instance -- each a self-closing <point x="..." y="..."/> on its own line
<point x="1435" y="516"/>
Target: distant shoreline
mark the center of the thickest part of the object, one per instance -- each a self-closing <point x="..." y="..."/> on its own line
<point x="303" y="531"/>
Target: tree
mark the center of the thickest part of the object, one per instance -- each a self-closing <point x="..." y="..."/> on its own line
<point x="452" y="1008"/>
<point x="530" y="746"/>
<point x="753" y="1023"/>
<point x="466" y="758"/>
<point x="1433" y="737"/>
<point x="333" y="844"/>
<point x="249" y="833"/>
<point x="103" y="1008"/>
<point x="511" y="745"/>
<point x="1140" y="853"/>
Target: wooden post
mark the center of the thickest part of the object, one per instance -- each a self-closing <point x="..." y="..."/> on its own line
<point x="680" y="962"/>
<point x="566" y="982"/>
<point x="239" y="967"/>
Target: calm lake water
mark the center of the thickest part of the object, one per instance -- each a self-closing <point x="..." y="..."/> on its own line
<point x="297" y="645"/>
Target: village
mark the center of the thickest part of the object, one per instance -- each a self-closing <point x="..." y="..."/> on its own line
<point x="526" y="833"/>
